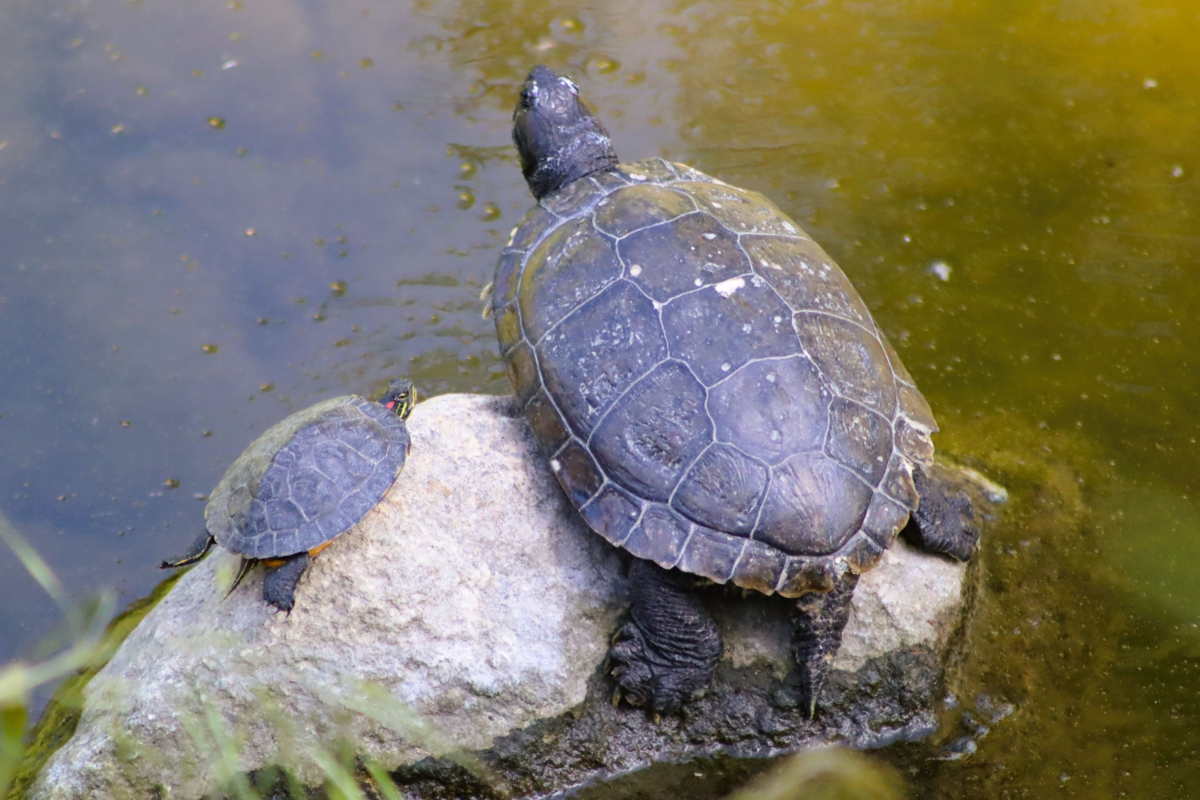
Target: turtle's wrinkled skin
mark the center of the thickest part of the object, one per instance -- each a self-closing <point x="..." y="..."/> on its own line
<point x="303" y="482"/>
<point x="712" y="393"/>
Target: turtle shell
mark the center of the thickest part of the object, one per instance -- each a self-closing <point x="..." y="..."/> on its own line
<point x="308" y="478"/>
<point x="711" y="391"/>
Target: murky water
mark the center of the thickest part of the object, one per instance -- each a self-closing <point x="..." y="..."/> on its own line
<point x="215" y="213"/>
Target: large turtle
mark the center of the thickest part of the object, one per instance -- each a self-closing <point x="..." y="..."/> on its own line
<point x="712" y="393"/>
<point x="306" y="480"/>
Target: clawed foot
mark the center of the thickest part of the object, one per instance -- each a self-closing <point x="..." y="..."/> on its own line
<point x="945" y="520"/>
<point x="648" y="679"/>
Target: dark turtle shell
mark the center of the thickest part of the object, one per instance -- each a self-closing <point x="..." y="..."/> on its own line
<point x="308" y="478"/>
<point x="712" y="392"/>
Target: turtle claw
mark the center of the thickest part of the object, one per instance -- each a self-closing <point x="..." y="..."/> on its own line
<point x="616" y="698"/>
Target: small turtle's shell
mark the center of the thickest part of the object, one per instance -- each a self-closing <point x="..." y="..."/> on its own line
<point x="308" y="478"/>
<point x="712" y="392"/>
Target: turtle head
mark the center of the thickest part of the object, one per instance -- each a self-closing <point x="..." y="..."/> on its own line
<point x="559" y="138"/>
<point x="399" y="397"/>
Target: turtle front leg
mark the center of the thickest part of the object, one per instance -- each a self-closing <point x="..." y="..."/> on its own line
<point x="668" y="649"/>
<point x="195" y="552"/>
<point x="945" y="523"/>
<point x="279" y="586"/>
<point x="816" y="635"/>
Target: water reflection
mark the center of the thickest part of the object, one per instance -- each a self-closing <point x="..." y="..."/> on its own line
<point x="341" y="222"/>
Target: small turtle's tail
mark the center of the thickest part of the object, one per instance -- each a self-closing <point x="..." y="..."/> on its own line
<point x="243" y="571"/>
<point x="197" y="551"/>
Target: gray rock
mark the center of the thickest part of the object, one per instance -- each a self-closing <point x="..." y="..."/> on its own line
<point x="465" y="621"/>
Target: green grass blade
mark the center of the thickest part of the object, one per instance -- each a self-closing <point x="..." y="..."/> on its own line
<point x="34" y="564"/>
<point x="387" y="787"/>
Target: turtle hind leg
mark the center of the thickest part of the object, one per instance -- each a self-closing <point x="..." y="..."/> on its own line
<point x="668" y="649"/>
<point x="945" y="522"/>
<point x="816" y="635"/>
<point x="279" y="586"/>
<point x="195" y="552"/>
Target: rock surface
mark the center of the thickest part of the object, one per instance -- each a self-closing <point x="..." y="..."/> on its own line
<point x="466" y="620"/>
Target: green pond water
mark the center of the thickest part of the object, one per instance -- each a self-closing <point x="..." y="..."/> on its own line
<point x="214" y="213"/>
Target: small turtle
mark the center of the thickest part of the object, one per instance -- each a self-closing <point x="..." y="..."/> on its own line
<point x="712" y="393"/>
<point x="302" y="483"/>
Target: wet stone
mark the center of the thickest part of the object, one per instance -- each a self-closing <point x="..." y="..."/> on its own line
<point x="772" y="409"/>
<point x="719" y="328"/>
<point x="679" y="256"/>
<point x="474" y="598"/>
<point x="599" y="351"/>
<point x="654" y="432"/>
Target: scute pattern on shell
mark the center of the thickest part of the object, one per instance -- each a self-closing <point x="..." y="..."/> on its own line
<point x="308" y="478"/>
<point x="712" y="392"/>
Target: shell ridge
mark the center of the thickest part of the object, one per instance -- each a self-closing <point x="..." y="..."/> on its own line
<point x="869" y="331"/>
<point x="762" y="503"/>
<point x="675" y="297"/>
<point x="670" y="501"/>
<point x="652" y="225"/>
<point x="683" y="547"/>
<point x="616" y="400"/>
<point x="572" y="310"/>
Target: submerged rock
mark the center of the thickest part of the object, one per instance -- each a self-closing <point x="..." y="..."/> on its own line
<point x="458" y="633"/>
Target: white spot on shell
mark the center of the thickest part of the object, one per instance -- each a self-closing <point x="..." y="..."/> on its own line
<point x="512" y="236"/>
<point x="777" y="320"/>
<point x="710" y="236"/>
<point x="726" y="367"/>
<point x="789" y="227"/>
<point x="635" y="270"/>
<point x="716" y="205"/>
<point x="698" y="282"/>
<point x="770" y="377"/>
<point x="941" y="269"/>
<point x="747" y="328"/>
<point x="555" y="464"/>
<point x="768" y="264"/>
<point x="776" y="436"/>
<point x="637" y="176"/>
<point x="727" y="288"/>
